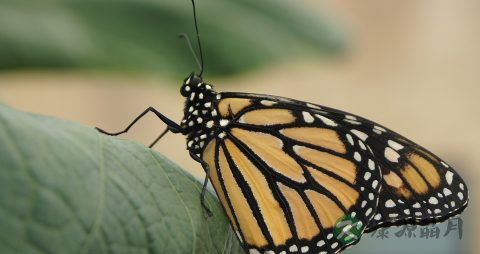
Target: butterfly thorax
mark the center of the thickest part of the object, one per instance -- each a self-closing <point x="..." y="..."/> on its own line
<point x="200" y="114"/>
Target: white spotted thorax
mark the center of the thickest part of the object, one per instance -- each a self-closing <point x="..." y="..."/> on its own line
<point x="201" y="120"/>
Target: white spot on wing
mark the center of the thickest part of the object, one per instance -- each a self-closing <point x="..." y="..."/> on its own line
<point x="357" y="157"/>
<point x="350" y="139"/>
<point x="352" y="121"/>
<point x="371" y="164"/>
<point x="293" y="248"/>
<point x="326" y="120"/>
<point x="379" y="128"/>
<point x="254" y="251"/>
<point x="362" y="145"/>
<point x="360" y="135"/>
<point x="267" y="103"/>
<point x="224" y="122"/>
<point x="449" y="177"/>
<point x="368" y="211"/>
<point x="395" y="145"/>
<point x="390" y="203"/>
<point x="391" y="154"/>
<point x="433" y="200"/>
<point x="307" y="117"/>
<point x="313" y="106"/>
<point x="367" y="176"/>
<point x="304" y="249"/>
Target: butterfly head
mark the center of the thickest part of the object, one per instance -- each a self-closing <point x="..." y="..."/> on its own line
<point x="195" y="90"/>
<point x="190" y="84"/>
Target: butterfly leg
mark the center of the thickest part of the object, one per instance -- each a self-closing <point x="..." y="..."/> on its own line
<point x="205" y="182"/>
<point x="159" y="137"/>
<point x="172" y="126"/>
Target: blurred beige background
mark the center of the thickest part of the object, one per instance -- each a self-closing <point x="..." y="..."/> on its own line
<point x="413" y="66"/>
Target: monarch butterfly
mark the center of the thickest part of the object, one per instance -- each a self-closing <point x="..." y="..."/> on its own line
<point x="286" y="170"/>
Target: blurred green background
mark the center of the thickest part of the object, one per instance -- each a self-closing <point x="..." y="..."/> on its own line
<point x="131" y="35"/>
<point x="410" y="65"/>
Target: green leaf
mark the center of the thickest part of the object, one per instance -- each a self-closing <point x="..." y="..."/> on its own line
<point x="64" y="188"/>
<point x="142" y="35"/>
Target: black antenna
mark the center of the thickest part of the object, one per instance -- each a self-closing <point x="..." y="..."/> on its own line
<point x="185" y="36"/>
<point x="198" y="38"/>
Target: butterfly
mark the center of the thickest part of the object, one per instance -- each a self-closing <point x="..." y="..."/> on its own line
<point x="285" y="171"/>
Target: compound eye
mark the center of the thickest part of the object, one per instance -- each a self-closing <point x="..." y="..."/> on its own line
<point x="187" y="82"/>
<point x="185" y="90"/>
